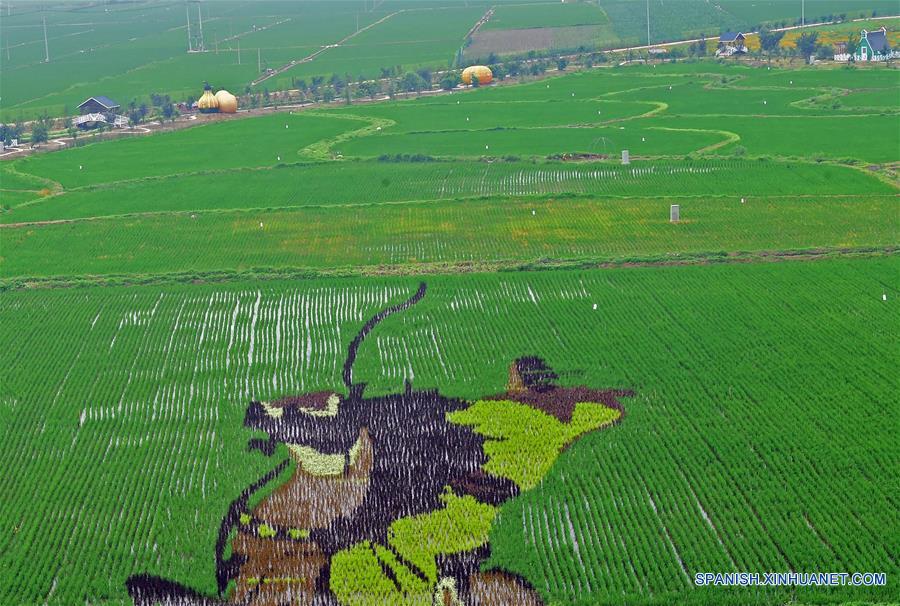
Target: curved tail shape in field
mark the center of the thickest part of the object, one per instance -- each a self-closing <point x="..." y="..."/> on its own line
<point x="356" y="390"/>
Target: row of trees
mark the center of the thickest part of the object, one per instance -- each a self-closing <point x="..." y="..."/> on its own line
<point x="40" y="130"/>
<point x="807" y="46"/>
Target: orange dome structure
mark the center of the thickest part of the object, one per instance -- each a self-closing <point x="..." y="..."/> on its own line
<point x="208" y="104"/>
<point x="228" y="103"/>
<point x="480" y="72"/>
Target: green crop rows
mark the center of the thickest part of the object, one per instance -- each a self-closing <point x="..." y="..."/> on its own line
<point x="367" y="183"/>
<point x="455" y="234"/>
<point x="546" y="15"/>
<point x="142" y="390"/>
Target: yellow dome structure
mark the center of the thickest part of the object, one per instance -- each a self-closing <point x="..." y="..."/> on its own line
<point x="228" y="103"/>
<point x="208" y="104"/>
<point x="480" y="72"/>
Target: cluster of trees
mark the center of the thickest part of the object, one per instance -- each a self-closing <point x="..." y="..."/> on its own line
<point x="137" y="113"/>
<point x="808" y="45"/>
<point x="8" y="132"/>
<point x="163" y="107"/>
<point x="40" y="130"/>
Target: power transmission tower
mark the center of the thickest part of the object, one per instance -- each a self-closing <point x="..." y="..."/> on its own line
<point x="195" y="34"/>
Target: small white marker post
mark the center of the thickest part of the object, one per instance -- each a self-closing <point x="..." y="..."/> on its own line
<point x="884" y="296"/>
<point x="625" y="159"/>
<point x="595" y="306"/>
<point x="674" y="213"/>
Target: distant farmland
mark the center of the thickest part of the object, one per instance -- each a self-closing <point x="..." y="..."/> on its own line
<point x="129" y="51"/>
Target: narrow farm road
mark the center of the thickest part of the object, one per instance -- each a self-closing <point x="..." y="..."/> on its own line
<point x="308" y="58"/>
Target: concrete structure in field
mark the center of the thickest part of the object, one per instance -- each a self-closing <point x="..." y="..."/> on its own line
<point x="97" y="111"/>
<point x="674" y="213"/>
<point x="625" y="158"/>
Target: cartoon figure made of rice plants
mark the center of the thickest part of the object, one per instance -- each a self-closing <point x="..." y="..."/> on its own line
<point x="392" y="497"/>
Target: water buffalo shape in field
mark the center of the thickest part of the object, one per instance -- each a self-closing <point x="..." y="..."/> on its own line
<point x="392" y="497"/>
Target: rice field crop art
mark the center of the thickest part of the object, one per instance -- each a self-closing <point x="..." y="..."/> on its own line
<point x="124" y="410"/>
<point x="393" y="497"/>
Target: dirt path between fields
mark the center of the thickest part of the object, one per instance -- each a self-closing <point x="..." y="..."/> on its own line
<point x="274" y="72"/>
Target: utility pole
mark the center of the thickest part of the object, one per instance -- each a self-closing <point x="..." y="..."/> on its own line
<point x="648" y="26"/>
<point x="802" y="13"/>
<point x="357" y="23"/>
<point x="200" y="19"/>
<point x="187" y="16"/>
<point x="259" y="59"/>
<point x="239" y="51"/>
<point x="46" y="46"/>
<point x="217" y="44"/>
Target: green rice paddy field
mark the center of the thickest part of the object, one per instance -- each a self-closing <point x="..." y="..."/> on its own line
<point x="741" y="450"/>
<point x="150" y="287"/>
